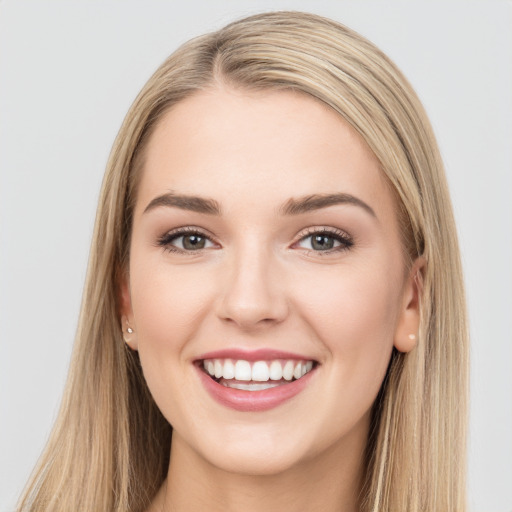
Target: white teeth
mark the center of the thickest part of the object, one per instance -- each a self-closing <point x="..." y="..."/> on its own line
<point x="288" y="370"/>
<point x="297" y="371"/>
<point x="229" y="369"/>
<point x="260" y="371"/>
<point x="218" y="368"/>
<point x="243" y="370"/>
<point x="276" y="370"/>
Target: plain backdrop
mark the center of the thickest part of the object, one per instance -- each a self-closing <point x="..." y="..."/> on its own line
<point x="68" y="73"/>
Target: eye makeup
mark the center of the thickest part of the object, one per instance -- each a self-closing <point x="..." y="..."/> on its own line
<point x="317" y="240"/>
<point x="323" y="241"/>
<point x="187" y="239"/>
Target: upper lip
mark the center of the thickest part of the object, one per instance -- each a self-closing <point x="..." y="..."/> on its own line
<point x="262" y="354"/>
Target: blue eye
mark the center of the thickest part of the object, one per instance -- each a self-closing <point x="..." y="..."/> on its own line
<point x="190" y="240"/>
<point x="326" y="241"/>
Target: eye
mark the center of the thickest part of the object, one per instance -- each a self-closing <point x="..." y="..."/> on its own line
<point x="185" y="240"/>
<point x="326" y="241"/>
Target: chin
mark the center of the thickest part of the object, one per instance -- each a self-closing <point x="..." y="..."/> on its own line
<point x="251" y="452"/>
<point x="260" y="462"/>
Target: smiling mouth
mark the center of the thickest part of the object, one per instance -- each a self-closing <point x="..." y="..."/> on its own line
<point x="256" y="375"/>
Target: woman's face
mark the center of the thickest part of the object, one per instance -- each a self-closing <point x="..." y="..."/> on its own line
<point x="265" y="248"/>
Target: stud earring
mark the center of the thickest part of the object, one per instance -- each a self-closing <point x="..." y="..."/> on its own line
<point x="412" y="337"/>
<point x="127" y="336"/>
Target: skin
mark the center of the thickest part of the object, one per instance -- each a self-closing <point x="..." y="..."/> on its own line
<point x="259" y="283"/>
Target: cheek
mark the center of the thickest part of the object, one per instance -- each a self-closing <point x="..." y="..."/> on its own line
<point x="168" y="304"/>
<point x="353" y="315"/>
<point x="353" y="312"/>
<point x="168" y="307"/>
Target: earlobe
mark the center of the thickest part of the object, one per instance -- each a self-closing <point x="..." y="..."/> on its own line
<point x="406" y="334"/>
<point x="127" y="327"/>
<point x="129" y="334"/>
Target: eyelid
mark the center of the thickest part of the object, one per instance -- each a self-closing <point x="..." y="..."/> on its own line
<point x="164" y="241"/>
<point x="313" y="230"/>
<point x="347" y="241"/>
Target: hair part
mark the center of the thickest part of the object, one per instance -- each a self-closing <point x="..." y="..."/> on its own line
<point x="110" y="446"/>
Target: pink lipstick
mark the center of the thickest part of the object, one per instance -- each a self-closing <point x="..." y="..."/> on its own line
<point x="254" y="380"/>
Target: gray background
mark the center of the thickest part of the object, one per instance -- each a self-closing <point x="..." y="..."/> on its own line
<point x="68" y="73"/>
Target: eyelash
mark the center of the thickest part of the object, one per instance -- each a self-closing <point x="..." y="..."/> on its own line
<point x="345" y="240"/>
<point x="165" y="241"/>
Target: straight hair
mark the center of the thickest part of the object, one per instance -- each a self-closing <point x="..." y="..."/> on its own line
<point x="110" y="446"/>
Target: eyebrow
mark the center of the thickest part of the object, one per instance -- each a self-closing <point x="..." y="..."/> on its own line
<point x="317" y="201"/>
<point x="291" y="207"/>
<point x="191" y="203"/>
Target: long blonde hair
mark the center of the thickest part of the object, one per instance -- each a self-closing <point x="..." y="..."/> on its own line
<point x="109" y="449"/>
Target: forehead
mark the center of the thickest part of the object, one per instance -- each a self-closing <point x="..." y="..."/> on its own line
<point x="266" y="146"/>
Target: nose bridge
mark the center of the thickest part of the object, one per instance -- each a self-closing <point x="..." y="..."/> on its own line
<point x="252" y="295"/>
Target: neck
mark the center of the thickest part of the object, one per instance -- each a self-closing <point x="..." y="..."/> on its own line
<point x="329" y="482"/>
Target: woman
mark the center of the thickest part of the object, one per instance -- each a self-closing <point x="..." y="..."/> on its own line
<point x="275" y="274"/>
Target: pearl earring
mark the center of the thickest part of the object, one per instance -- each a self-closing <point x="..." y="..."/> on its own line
<point x="412" y="337"/>
<point x="129" y="330"/>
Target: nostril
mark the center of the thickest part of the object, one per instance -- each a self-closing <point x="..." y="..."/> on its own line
<point x="251" y="298"/>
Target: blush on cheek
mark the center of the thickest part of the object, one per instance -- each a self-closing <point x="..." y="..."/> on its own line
<point x="169" y="301"/>
<point x="354" y="316"/>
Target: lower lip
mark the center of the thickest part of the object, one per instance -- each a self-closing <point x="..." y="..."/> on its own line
<point x="253" y="401"/>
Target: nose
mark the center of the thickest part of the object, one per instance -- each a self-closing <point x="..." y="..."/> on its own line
<point x="253" y="294"/>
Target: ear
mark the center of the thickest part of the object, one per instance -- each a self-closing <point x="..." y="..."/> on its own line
<point x="127" y="323"/>
<point x="406" y="333"/>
